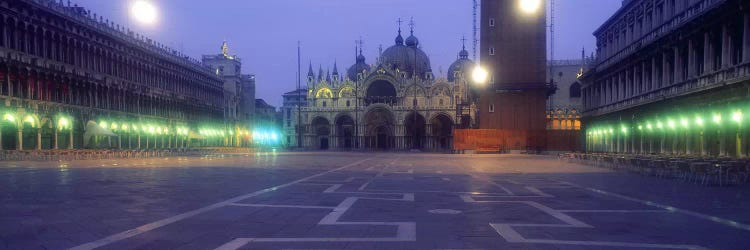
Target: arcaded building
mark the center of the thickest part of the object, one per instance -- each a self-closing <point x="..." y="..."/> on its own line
<point x="397" y="103"/>
<point x="671" y="77"/>
<point x="71" y="79"/>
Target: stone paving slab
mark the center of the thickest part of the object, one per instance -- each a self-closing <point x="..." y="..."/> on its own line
<point x="360" y="201"/>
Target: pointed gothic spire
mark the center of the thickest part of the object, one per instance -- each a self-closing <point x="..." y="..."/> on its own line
<point x="320" y="73"/>
<point x="335" y="68"/>
<point x="328" y="75"/>
<point x="310" y="73"/>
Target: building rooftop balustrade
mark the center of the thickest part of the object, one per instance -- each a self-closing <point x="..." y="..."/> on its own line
<point x="694" y="11"/>
<point x="129" y="36"/>
<point x="703" y="82"/>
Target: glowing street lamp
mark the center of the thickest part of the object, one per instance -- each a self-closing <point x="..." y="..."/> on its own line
<point x="530" y="6"/>
<point x="699" y="121"/>
<point x="671" y="124"/>
<point x="144" y="11"/>
<point x="737" y="116"/>
<point x="29" y="119"/>
<point x="479" y="75"/>
<point x="717" y="118"/>
<point x="63" y="123"/>
<point x="9" y="117"/>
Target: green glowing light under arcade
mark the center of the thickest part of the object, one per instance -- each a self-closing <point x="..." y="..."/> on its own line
<point x="737" y="116"/>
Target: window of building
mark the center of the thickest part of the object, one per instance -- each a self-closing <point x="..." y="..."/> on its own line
<point x="414" y="102"/>
<point x="441" y="102"/>
<point x="492" y="51"/>
<point x="492" y="108"/>
<point x="492" y="22"/>
<point x="325" y="104"/>
<point x="348" y="103"/>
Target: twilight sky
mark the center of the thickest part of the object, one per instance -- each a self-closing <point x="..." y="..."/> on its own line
<point x="264" y="33"/>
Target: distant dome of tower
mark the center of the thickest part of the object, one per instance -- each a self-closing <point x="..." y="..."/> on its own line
<point x="462" y="64"/>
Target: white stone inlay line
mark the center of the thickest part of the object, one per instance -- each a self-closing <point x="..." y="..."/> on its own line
<point x="160" y="223"/>
<point x="507" y="231"/>
<point x="614" y="211"/>
<point x="380" y="174"/>
<point x="279" y="206"/>
<point x="726" y="222"/>
<point x="405" y="231"/>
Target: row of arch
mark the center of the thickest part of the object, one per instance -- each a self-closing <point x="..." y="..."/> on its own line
<point x="563" y="119"/>
<point x="28" y="84"/>
<point x="379" y="130"/>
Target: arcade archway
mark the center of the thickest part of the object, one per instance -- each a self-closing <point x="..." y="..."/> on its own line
<point x="345" y="132"/>
<point x="414" y="131"/>
<point x="322" y="129"/>
<point x="379" y="129"/>
<point x="441" y="131"/>
<point x="381" y="91"/>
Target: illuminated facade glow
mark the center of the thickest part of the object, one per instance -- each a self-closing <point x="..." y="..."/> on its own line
<point x="691" y="80"/>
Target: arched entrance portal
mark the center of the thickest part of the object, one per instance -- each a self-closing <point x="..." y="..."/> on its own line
<point x="345" y="131"/>
<point x="322" y="129"/>
<point x="414" y="126"/>
<point x="379" y="124"/>
<point x="442" y="131"/>
<point x="381" y="91"/>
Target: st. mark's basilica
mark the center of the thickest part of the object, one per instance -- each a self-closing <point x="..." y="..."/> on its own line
<point x="397" y="103"/>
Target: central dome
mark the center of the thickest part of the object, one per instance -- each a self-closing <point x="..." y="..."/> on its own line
<point x="407" y="58"/>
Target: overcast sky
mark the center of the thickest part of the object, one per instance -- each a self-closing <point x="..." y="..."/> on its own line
<point x="264" y="33"/>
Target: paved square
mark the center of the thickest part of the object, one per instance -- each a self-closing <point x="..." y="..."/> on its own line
<point x="360" y="201"/>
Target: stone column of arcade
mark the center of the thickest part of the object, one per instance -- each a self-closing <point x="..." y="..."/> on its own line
<point x="39" y="138"/>
<point x="20" y="138"/>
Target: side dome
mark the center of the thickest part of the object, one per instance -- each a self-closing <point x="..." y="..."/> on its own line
<point x="462" y="64"/>
<point x="358" y="67"/>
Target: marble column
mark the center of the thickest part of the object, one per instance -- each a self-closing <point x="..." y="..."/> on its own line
<point x="707" y="53"/>
<point x="70" y="138"/>
<point x="677" y="66"/>
<point x="691" y="58"/>
<point x="20" y="139"/>
<point x="664" y="70"/>
<point x="726" y="47"/>
<point x="54" y="141"/>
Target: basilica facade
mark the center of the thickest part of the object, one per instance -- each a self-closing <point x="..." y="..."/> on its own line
<point x="397" y="103"/>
